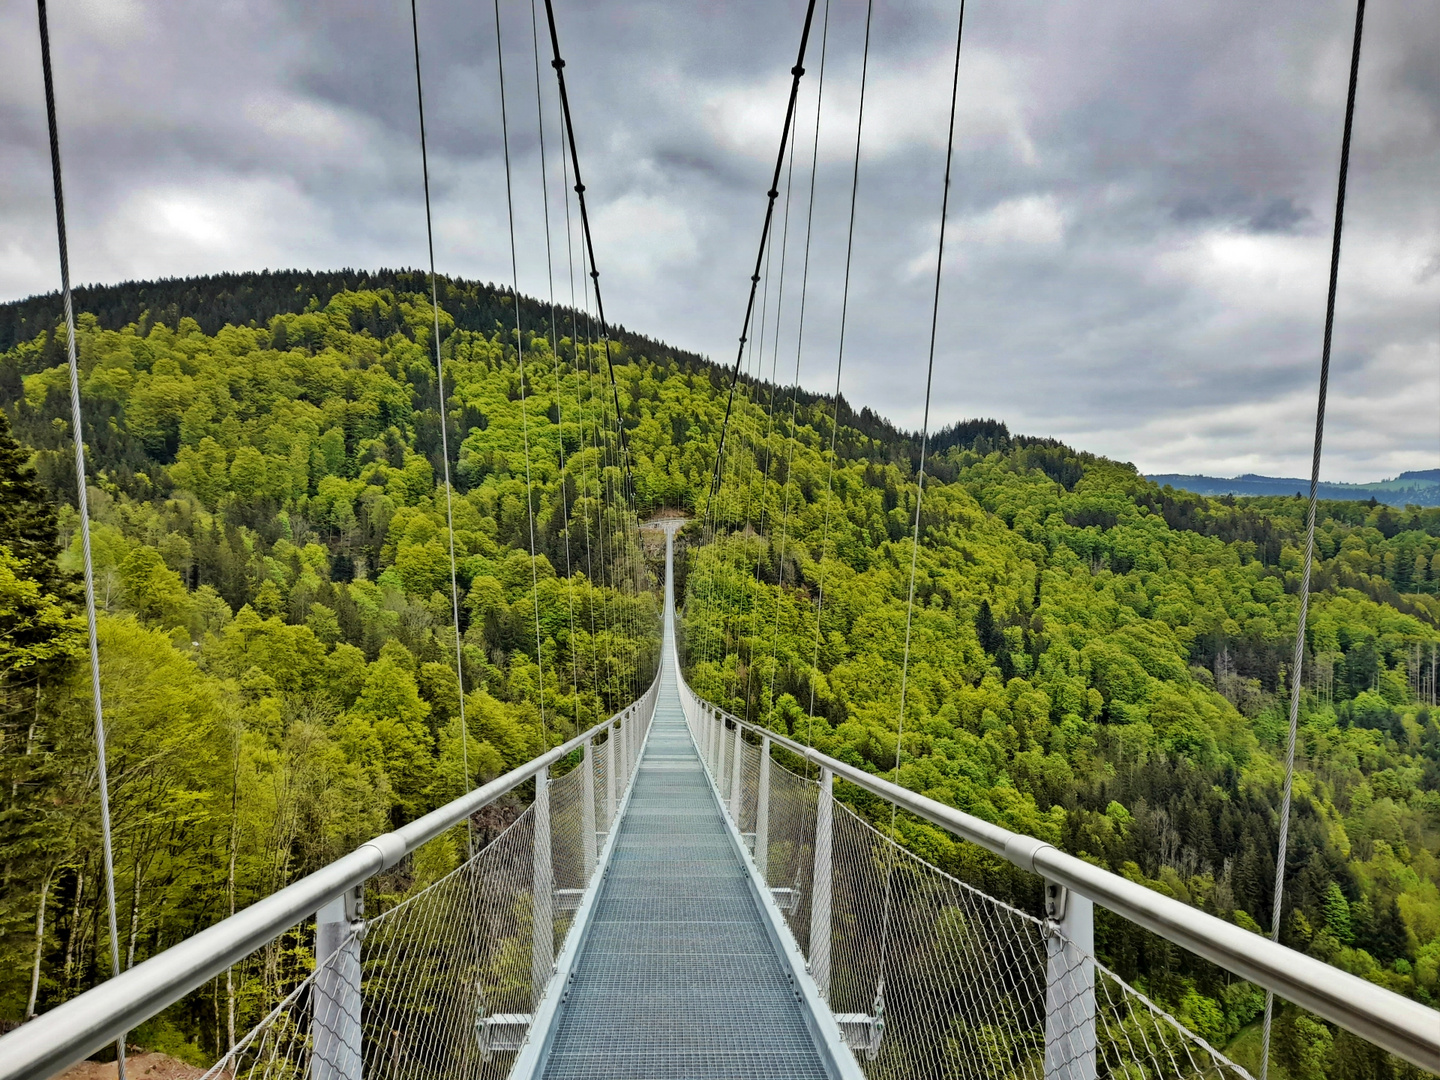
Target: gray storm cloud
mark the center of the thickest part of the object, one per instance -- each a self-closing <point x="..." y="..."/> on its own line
<point x="1139" y="228"/>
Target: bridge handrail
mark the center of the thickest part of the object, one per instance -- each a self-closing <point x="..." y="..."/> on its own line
<point x="77" y="1028"/>
<point x="1395" y="1023"/>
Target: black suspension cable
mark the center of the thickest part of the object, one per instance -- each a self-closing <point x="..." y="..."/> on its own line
<point x="629" y="565"/>
<point x="559" y="65"/>
<point x="78" y="433"/>
<point x="770" y="414"/>
<point x="444" y="427"/>
<point x="797" y="72"/>
<point x="555" y="355"/>
<point x="1299" y="657"/>
<point x="799" y="347"/>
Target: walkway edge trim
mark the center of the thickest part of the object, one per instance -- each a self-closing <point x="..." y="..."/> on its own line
<point x="824" y="1029"/>
<point x="533" y="1054"/>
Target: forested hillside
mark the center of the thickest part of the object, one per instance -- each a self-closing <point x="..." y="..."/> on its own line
<point x="1095" y="660"/>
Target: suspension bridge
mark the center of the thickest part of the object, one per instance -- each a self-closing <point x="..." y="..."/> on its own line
<point x="688" y="894"/>
<point x="685" y="901"/>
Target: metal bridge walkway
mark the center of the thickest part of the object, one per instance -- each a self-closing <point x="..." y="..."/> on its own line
<point x="678" y="977"/>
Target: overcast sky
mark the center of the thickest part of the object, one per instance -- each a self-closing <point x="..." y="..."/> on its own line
<point x="1140" y="218"/>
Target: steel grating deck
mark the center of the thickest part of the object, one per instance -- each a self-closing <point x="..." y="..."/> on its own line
<point x="678" y="977"/>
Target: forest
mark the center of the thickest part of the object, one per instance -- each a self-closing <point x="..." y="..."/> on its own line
<point x="1095" y="660"/>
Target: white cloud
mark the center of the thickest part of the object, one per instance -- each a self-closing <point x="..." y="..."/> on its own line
<point x="1032" y="220"/>
<point x="644" y="235"/>
<point x="906" y="107"/>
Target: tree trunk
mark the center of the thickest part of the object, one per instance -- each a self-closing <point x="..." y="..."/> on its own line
<point x="134" y="917"/>
<point x="75" y="928"/>
<point x="39" y="943"/>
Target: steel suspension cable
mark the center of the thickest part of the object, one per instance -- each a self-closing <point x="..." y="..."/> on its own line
<point x="919" y="498"/>
<point x="839" y="366"/>
<point x="559" y="65"/>
<point x="555" y="355"/>
<point x="630" y="494"/>
<point x="799" y="348"/>
<point x="602" y="479"/>
<point x="770" y="417"/>
<point x="1298" y="660"/>
<point x="444" y="437"/>
<point x="796" y="72"/>
<point x="757" y="354"/>
<point x="520" y="363"/>
<point x="107" y="851"/>
<point x="584" y="487"/>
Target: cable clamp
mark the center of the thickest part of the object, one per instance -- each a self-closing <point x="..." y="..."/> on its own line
<point x="797" y="71"/>
<point x="1056" y="900"/>
<point x="557" y="63"/>
<point x="579" y="189"/>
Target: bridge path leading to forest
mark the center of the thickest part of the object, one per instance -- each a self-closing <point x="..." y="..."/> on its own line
<point x="679" y="975"/>
<point x="738" y="921"/>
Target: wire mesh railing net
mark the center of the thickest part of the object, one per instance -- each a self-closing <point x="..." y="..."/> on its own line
<point x="930" y="977"/>
<point x="445" y="981"/>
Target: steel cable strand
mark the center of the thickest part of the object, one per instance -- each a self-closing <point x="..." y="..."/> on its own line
<point x="796" y="72"/>
<point x="569" y="127"/>
<point x="601" y="479"/>
<point x="555" y="355"/>
<point x="604" y="505"/>
<point x="799" y="340"/>
<point x="582" y="488"/>
<point x="1298" y="660"/>
<point x="757" y="353"/>
<point x="770" y="425"/>
<point x="730" y="540"/>
<point x="605" y="497"/>
<point x="920" y="472"/>
<point x="757" y="477"/>
<point x="444" y="426"/>
<point x="747" y="464"/>
<point x="77" y="431"/>
<point x="520" y="363"/>
<point x="604" y="483"/>
<point x="839" y="364"/>
<point x="584" y="391"/>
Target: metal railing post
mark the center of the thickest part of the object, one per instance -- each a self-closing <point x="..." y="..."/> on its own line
<point x="762" y="813"/>
<point x="587" y="808"/>
<point x="612" y="765"/>
<point x="820" y="886"/>
<point x="720" y="758"/>
<point x="335" y="1006"/>
<point x="737" y="770"/>
<point x="1069" y="985"/>
<point x="542" y="951"/>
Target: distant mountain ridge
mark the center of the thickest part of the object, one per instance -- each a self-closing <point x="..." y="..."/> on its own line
<point x="1418" y="487"/>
